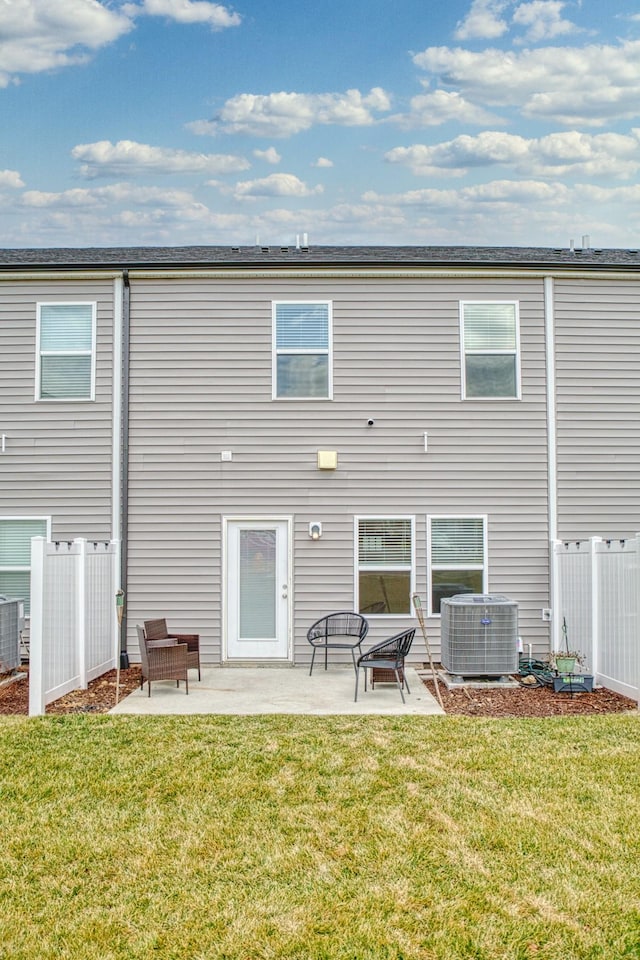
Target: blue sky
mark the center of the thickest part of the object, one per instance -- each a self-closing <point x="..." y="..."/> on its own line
<point x="506" y="122"/>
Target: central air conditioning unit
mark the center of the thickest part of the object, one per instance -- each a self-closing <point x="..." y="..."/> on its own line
<point x="479" y="635"/>
<point x="11" y="623"/>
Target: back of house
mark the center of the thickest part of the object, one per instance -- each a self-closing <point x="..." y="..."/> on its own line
<point x="272" y="434"/>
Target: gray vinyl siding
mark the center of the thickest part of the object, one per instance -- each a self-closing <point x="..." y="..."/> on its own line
<point x="58" y="454"/>
<point x="598" y="407"/>
<point x="201" y="353"/>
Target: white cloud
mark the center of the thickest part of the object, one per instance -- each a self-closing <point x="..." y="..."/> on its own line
<point x="488" y="20"/>
<point x="543" y="20"/>
<point x="103" y="197"/>
<point x="495" y="192"/>
<point x="11" y="178"/>
<point x="275" y="185"/>
<point x="555" y="155"/>
<point x="498" y="212"/>
<point x="483" y="21"/>
<point x="104" y="159"/>
<point x="270" y="155"/>
<point x="283" y="114"/>
<point x="186" y="11"/>
<point x="37" y="35"/>
<point x="455" y="157"/>
<point x="589" y="85"/>
<point x="441" y="106"/>
<point x="322" y="162"/>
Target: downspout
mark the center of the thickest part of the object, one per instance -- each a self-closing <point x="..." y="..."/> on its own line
<point x="552" y="450"/>
<point x="124" y="459"/>
<point x="116" y="446"/>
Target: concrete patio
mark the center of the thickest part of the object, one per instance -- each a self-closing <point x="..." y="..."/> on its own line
<point x="259" y="690"/>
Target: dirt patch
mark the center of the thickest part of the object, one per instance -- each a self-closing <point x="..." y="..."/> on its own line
<point x="521" y="701"/>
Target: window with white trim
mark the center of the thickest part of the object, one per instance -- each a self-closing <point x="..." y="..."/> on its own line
<point x="15" y="555"/>
<point x="490" y="350"/>
<point x="456" y="556"/>
<point x="302" y="350"/>
<point x="385" y="564"/>
<point x="65" y="359"/>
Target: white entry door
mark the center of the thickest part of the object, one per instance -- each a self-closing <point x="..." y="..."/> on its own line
<point x="257" y="576"/>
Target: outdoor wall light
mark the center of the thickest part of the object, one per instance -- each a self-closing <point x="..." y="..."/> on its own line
<point x="315" y="530"/>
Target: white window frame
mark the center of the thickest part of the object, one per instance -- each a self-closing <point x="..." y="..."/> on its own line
<point x="484" y="566"/>
<point x="387" y="568"/>
<point x="275" y="352"/>
<point x="66" y="353"/>
<point x="15" y="568"/>
<point x="515" y="352"/>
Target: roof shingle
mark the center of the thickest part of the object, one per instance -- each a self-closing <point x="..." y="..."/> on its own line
<point x="274" y="256"/>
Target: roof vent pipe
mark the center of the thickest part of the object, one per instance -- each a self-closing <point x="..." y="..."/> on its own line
<point x="571" y="246"/>
<point x="305" y="239"/>
<point x="586" y="241"/>
<point x="297" y="241"/>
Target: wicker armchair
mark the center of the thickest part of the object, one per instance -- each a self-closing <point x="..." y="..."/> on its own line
<point x="338" y="631"/>
<point x="162" y="660"/>
<point x="157" y="630"/>
<point x="387" y="656"/>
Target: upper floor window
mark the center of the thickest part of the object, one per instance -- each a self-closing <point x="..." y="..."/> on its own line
<point x="490" y="350"/>
<point x="15" y="555"/>
<point x="457" y="557"/>
<point x="302" y="350"/>
<point x="66" y="351"/>
<point x="385" y="564"/>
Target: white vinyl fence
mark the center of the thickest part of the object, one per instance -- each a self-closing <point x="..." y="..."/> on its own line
<point x="74" y="625"/>
<point x="597" y="591"/>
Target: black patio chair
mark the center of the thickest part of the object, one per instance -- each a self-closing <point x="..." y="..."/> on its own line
<point x="387" y="656"/>
<point x="338" y="631"/>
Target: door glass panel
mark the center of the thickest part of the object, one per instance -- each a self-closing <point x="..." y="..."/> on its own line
<point x="257" y="584"/>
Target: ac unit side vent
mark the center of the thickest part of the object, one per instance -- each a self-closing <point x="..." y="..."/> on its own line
<point x="479" y="635"/>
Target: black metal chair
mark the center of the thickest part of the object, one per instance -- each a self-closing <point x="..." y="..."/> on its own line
<point x="389" y="656"/>
<point x="338" y="631"/>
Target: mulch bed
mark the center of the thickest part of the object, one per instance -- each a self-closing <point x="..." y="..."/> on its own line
<point x="100" y="697"/>
<point x="526" y="701"/>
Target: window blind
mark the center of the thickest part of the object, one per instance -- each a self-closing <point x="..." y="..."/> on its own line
<point x="384" y="543"/>
<point x="457" y="541"/>
<point x="66" y="327"/>
<point x="15" y="541"/>
<point x="489" y="326"/>
<point x="302" y="326"/>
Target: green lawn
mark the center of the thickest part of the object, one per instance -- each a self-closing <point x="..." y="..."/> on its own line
<point x="313" y="837"/>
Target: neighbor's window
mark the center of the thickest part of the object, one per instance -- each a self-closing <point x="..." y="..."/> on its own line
<point x="385" y="565"/>
<point x="457" y="556"/>
<point x="302" y="350"/>
<point x="66" y="351"/>
<point x="15" y="556"/>
<point x="490" y="355"/>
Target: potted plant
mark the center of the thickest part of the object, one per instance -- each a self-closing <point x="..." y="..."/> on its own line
<point x="564" y="661"/>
